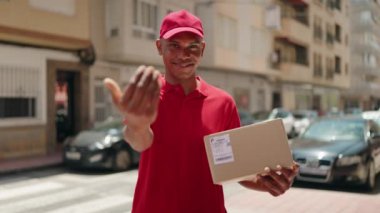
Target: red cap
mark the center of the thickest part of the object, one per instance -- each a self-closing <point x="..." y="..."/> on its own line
<point x="180" y="21"/>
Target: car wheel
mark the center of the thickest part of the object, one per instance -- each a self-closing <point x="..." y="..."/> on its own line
<point x="371" y="176"/>
<point x="122" y="160"/>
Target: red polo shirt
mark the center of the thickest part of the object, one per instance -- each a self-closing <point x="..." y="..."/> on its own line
<point x="174" y="176"/>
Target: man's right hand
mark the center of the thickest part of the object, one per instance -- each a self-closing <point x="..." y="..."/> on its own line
<point x="139" y="102"/>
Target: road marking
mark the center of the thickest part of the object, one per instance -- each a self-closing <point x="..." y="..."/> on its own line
<point x="44" y="200"/>
<point x="97" y="205"/>
<point x="29" y="190"/>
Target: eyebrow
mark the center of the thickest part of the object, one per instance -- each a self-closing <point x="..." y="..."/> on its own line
<point x="194" y="42"/>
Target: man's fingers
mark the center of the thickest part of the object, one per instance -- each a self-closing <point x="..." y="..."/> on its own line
<point x="114" y="89"/>
<point x="131" y="87"/>
<point x="140" y="91"/>
<point x="152" y="90"/>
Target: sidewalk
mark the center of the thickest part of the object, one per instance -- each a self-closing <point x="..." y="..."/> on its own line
<point x="8" y="166"/>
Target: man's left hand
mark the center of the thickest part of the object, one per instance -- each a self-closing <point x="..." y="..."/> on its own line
<point x="275" y="181"/>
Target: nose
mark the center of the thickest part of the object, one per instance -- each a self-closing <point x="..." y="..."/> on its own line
<point x="183" y="53"/>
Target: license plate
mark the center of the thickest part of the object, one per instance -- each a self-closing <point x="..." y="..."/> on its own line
<point x="314" y="171"/>
<point x="73" y="155"/>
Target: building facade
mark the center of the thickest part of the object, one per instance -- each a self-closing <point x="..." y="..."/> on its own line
<point x="291" y="54"/>
<point x="365" y="55"/>
<point x="45" y="52"/>
<point x="266" y="54"/>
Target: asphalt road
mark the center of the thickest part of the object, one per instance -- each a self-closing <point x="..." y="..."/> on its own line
<point x="60" y="190"/>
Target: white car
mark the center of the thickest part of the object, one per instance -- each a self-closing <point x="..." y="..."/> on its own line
<point x="287" y="119"/>
<point x="371" y="114"/>
<point x="303" y="118"/>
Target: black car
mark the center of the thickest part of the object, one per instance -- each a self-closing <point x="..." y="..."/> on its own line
<point x="339" y="149"/>
<point x="101" y="147"/>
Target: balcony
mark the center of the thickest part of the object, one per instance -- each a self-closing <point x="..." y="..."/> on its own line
<point x="360" y="47"/>
<point x="293" y="72"/>
<point x="370" y="71"/>
<point x="359" y="26"/>
<point x="63" y="25"/>
<point x="360" y="5"/>
<point x="295" y="31"/>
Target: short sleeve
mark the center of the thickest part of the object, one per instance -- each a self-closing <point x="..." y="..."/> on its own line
<point x="234" y="121"/>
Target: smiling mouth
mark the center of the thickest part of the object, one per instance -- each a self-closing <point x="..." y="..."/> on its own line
<point x="183" y="65"/>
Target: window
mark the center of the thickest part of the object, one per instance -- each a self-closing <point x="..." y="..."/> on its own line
<point x="317" y="31"/>
<point x="329" y="35"/>
<point x="113" y="18"/>
<point x="338" y="5"/>
<point x="372" y="40"/>
<point x="369" y="60"/>
<point x="337" y="65"/>
<point x="330" y="4"/>
<point x="337" y="33"/>
<point x="329" y="68"/>
<point x="145" y="18"/>
<point x="317" y="65"/>
<point x="301" y="55"/>
<point x="103" y="106"/>
<point x="19" y="91"/>
<point x="227" y="32"/>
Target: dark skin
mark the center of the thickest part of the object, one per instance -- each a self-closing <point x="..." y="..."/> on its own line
<point x="138" y="103"/>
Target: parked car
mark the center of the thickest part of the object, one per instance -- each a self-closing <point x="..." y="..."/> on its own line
<point x="287" y="119"/>
<point x="339" y="149"/>
<point x="371" y="114"/>
<point x="261" y="115"/>
<point x="303" y="118"/>
<point x="100" y="147"/>
<point x="353" y="111"/>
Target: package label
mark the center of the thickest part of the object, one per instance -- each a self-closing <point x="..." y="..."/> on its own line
<point x="221" y="149"/>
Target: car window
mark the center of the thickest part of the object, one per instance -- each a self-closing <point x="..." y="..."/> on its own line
<point x="336" y="130"/>
<point x="105" y="126"/>
<point x="299" y="115"/>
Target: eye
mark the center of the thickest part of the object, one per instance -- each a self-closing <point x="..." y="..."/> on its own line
<point x="194" y="47"/>
<point x="173" y="46"/>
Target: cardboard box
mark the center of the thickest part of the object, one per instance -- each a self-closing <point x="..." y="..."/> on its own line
<point x="240" y="153"/>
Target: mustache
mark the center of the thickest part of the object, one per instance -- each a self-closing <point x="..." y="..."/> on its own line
<point x="179" y="61"/>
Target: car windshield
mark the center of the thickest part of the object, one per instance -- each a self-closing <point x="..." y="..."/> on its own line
<point x="299" y="115"/>
<point x="278" y="114"/>
<point x="107" y="125"/>
<point x="261" y="115"/>
<point x="335" y="130"/>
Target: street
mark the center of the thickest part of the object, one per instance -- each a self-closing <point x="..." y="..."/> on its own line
<point x="58" y="189"/>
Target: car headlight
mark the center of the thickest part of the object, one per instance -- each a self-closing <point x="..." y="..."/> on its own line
<point x="348" y="160"/>
<point x="109" y="139"/>
<point x="97" y="145"/>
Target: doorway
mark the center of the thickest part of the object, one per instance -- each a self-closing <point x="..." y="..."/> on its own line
<point x="64" y="105"/>
<point x="276" y="100"/>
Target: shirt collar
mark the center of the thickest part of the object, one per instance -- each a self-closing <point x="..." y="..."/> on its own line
<point x="201" y="89"/>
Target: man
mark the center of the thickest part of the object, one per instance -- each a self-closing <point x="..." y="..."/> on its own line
<point x="166" y="120"/>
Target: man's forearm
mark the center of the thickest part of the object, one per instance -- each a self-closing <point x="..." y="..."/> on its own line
<point x="139" y="139"/>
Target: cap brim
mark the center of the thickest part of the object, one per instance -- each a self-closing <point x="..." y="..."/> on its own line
<point x="175" y="31"/>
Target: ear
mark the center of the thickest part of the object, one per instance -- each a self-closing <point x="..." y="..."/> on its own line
<point x="159" y="46"/>
<point x="203" y="47"/>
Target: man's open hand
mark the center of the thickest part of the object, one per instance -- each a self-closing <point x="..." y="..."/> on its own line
<point x="139" y="102"/>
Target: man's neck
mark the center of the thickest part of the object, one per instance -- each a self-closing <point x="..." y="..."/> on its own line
<point x="188" y="85"/>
